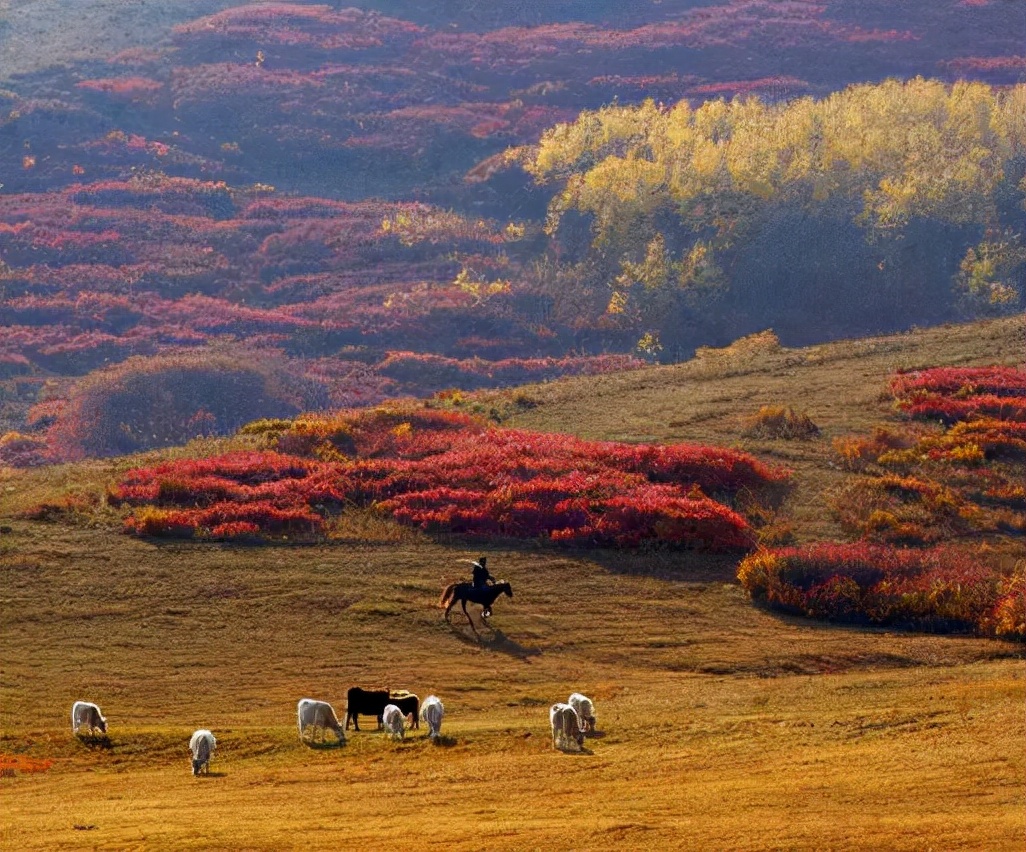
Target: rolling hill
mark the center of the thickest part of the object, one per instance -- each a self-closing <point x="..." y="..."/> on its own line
<point x="722" y="724"/>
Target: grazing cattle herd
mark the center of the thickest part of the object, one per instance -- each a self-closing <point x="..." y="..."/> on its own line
<point x="570" y="721"/>
<point x="394" y="710"/>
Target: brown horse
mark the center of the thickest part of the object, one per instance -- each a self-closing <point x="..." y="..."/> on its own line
<point x="465" y="593"/>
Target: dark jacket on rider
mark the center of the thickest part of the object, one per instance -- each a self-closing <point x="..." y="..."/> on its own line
<point x="481" y="575"/>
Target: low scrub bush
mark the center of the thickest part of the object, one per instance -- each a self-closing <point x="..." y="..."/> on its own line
<point x="941" y="589"/>
<point x="857" y="452"/>
<point x="777" y="421"/>
<point x="443" y="471"/>
<point x="166" y="400"/>
<point x="953" y="394"/>
<point x="928" y="484"/>
<point x="18" y="450"/>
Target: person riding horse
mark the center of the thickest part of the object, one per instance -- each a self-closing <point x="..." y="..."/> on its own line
<point x="481" y="575"/>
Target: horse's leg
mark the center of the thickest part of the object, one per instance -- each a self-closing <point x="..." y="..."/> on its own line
<point x="448" y="609"/>
<point x="469" y="619"/>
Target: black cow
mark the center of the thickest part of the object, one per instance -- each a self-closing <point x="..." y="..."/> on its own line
<point x="371" y="702"/>
<point x="365" y="702"/>
<point x="408" y="703"/>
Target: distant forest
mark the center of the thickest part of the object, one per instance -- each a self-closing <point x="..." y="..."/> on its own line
<point x="893" y="202"/>
<point x="281" y="207"/>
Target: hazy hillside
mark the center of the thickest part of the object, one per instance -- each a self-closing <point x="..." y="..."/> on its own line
<point x="355" y="204"/>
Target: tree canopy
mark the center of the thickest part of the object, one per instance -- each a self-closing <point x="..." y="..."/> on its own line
<point x="670" y="190"/>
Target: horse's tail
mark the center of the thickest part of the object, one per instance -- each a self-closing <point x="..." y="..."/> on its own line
<point x="447" y="595"/>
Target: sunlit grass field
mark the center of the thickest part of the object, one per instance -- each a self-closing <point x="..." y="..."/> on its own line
<point x="721" y="726"/>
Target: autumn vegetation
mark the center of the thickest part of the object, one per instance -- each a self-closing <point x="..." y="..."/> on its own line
<point x="445" y="472"/>
<point x="925" y="510"/>
<point x="911" y="191"/>
<point x="899" y="736"/>
<point x="704" y="321"/>
<point x="388" y="206"/>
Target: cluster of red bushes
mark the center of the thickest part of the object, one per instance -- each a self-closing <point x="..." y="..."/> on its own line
<point x="952" y="394"/>
<point x="921" y="486"/>
<point x="939" y="589"/>
<point x="447" y="472"/>
<point x="933" y="483"/>
<point x="308" y="91"/>
<point x="154" y="265"/>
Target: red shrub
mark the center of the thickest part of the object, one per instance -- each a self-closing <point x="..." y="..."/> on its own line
<point x="937" y="589"/>
<point x="445" y="471"/>
<point x="951" y="394"/>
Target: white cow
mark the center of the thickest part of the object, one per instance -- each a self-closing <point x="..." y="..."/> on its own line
<point x="319" y="714"/>
<point x="566" y="726"/>
<point x="432" y="711"/>
<point x="585" y="710"/>
<point x="394" y="722"/>
<point x="85" y="714"/>
<point x="201" y="745"/>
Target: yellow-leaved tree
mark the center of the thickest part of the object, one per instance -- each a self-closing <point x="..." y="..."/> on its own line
<point x="869" y="203"/>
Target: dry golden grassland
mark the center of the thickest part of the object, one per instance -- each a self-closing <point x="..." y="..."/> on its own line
<point x="722" y="726"/>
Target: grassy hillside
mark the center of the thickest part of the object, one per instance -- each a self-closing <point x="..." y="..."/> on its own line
<point x="722" y="725"/>
<point x="710" y="399"/>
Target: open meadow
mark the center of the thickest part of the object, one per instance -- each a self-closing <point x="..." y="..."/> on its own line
<point x="720" y="725"/>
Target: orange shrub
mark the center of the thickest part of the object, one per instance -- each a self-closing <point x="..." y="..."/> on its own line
<point x="777" y="421"/>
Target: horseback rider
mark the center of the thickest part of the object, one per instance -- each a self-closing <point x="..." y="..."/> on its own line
<point x="481" y="575"/>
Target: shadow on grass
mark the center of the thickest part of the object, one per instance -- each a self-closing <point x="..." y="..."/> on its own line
<point x="494" y="639"/>
<point x="325" y="746"/>
<point x="96" y="741"/>
<point x="443" y="741"/>
<point x="211" y="775"/>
